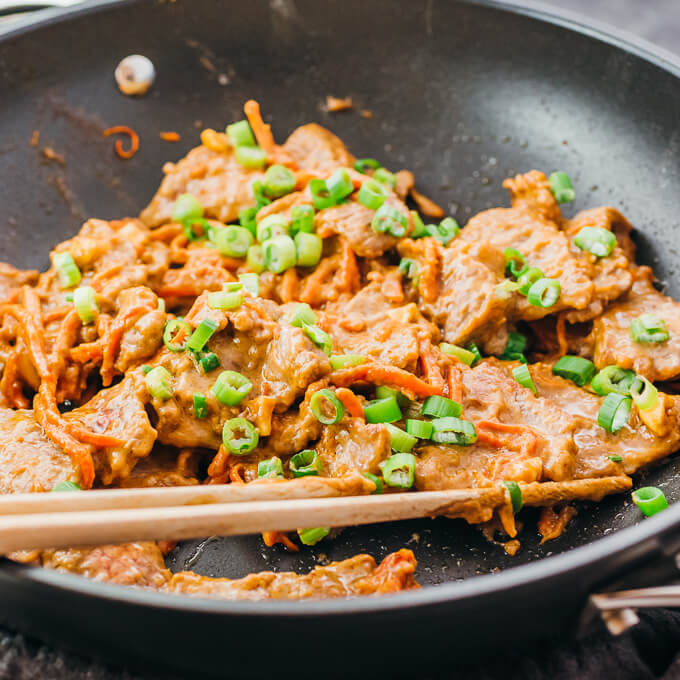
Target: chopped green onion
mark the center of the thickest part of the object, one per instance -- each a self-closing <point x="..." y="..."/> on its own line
<point x="649" y="328"/>
<point x="239" y="436"/>
<point x="615" y="459"/>
<point x="523" y="377"/>
<point x="173" y="328"/>
<point x="305" y="464"/>
<point x="399" y="470"/>
<point x="252" y="157"/>
<point x="303" y="315"/>
<point x="472" y="347"/>
<point x="339" y="185"/>
<point x="382" y="410"/>
<point x="326" y="407"/>
<point x="614" y="412"/>
<point x="645" y="395"/>
<point x="200" y="406"/>
<point x="308" y="248"/>
<point x="159" y="383"/>
<point x="67" y="270"/>
<point x="67" y="486"/>
<point x="231" y="388"/>
<point x="612" y="379"/>
<point x="223" y="300"/>
<point x="399" y="440"/>
<point x="515" y="263"/>
<point x="410" y="268"/>
<point x="240" y="134"/>
<point x="186" y="209"/>
<point x="372" y="194"/>
<point x="384" y="176"/>
<point x="505" y="289"/>
<point x="419" y="229"/>
<point x="232" y="287"/>
<point x="561" y="187"/>
<point x="339" y="361"/>
<point x="270" y="469"/>
<point x="232" y="241"/>
<point x="384" y="392"/>
<point x="440" y="407"/>
<point x="279" y="253"/>
<point x="85" y="302"/>
<point x="250" y="283"/>
<point x="270" y="226"/>
<point x="650" y="500"/>
<point x="388" y="219"/>
<point x="528" y="278"/>
<point x="146" y="368"/>
<point x="68" y="297"/>
<point x="452" y="430"/>
<point x="246" y="218"/>
<point x="419" y="428"/>
<point x="192" y="234"/>
<point x="544" y="293"/>
<point x="258" y="191"/>
<point x="595" y="240"/>
<point x="320" y="338"/>
<point x="444" y="231"/>
<point x="313" y="536"/>
<point x="321" y="196"/>
<point x="278" y="181"/>
<point x="363" y="164"/>
<point x="161" y="304"/>
<point x="514" y="348"/>
<point x="209" y="362"/>
<point x="576" y="369"/>
<point x="255" y="259"/>
<point x="302" y="219"/>
<point x="515" y="495"/>
<point x="464" y="355"/>
<point x="379" y="487"/>
<point x="201" y="335"/>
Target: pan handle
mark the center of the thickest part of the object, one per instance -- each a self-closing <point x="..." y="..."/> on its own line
<point x="15" y="7"/>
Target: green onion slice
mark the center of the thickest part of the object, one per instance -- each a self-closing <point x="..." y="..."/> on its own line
<point x="339" y="361"/>
<point x="255" y="259"/>
<point x="146" y="368"/>
<point x="173" y="328"/>
<point x="305" y="464"/>
<point x="515" y="263"/>
<point x="452" y="430"/>
<point x="645" y="395"/>
<point x="239" y="436"/>
<point x="389" y="220"/>
<point x="301" y="219"/>
<point x="544" y="293"/>
<point x="186" y="209"/>
<point x="649" y="328"/>
<point x="399" y="440"/>
<point x="576" y="369"/>
<point x="250" y="283"/>
<point x="320" y="338"/>
<point x="313" y="536"/>
<point x="441" y="407"/>
<point x="240" y="134"/>
<point x="472" y="347"/>
<point x="246" y="218"/>
<point x="399" y="470"/>
<point x="523" y="377"/>
<point x="384" y="176"/>
<point x="303" y="315"/>
<point x="85" y="302"/>
<point x="419" y="428"/>
<point x="232" y="241"/>
<point x="321" y="196"/>
<point x="379" y="486"/>
<point x="650" y="500"/>
<point x="615" y="459"/>
<point x="258" y="191"/>
<point x="612" y="379"/>
<point x="279" y="253"/>
<point x="561" y="187"/>
<point x="527" y="279"/>
<point x="419" y="229"/>
<point x="270" y="226"/>
<point x="363" y="164"/>
<point x="464" y="355"/>
<point x="515" y="495"/>
<point x="339" y="185"/>
<point x="326" y="407"/>
<point x="251" y="157"/>
<point x="614" y="412"/>
<point x="159" y="383"/>
<point x="278" y="181"/>
<point x="231" y="388"/>
<point x="382" y="410"/>
<point x="446" y="230"/>
<point x="384" y="392"/>
<point x="308" y="249"/>
<point x="209" y="362"/>
<point x="200" y="406"/>
<point x="224" y="300"/>
<point x="272" y="468"/>
<point x="372" y="194"/>
<point x="410" y="268"/>
<point x="201" y="335"/>
<point x="67" y="486"/>
<point x="67" y="270"/>
<point x="595" y="240"/>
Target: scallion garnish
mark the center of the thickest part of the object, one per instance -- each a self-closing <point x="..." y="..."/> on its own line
<point x="231" y="241"/>
<point x="440" y="407"/>
<point x="452" y="430"/>
<point x="302" y="315"/>
<point x="515" y="263"/>
<point x="596" y="240"/>
<point x="67" y="270"/>
<point x="612" y="379"/>
<point x="305" y="464"/>
<point x="201" y="335"/>
<point x="225" y="300"/>
<point x="200" y="406"/>
<point x="576" y="369"/>
<point x="472" y="347"/>
<point x="614" y="412"/>
<point x="399" y="470"/>
<point x="379" y="487"/>
<point x="648" y="328"/>
<point x="523" y="377"/>
<point x="240" y="134"/>
<point x="384" y="176"/>
<point x="308" y="249"/>
<point x="187" y="209"/>
<point x="382" y="410"/>
<point x="419" y="229"/>
<point x="209" y="362"/>
<point x="231" y="388"/>
<point x="419" y="428"/>
<point x="278" y="181"/>
<point x="250" y="283"/>
<point x="272" y="468"/>
<point x="528" y="278"/>
<point x="254" y="259"/>
<point x="399" y="440"/>
<point x="514" y="348"/>
<point x="650" y="500"/>
<point x="258" y="192"/>
<point x="159" y="383"/>
<point x="339" y="361"/>
<point x="389" y="220"/>
<point x="313" y="536"/>
<point x="615" y="459"/>
<point x="363" y="164"/>
<point x="326" y="407"/>
<point x="239" y="436"/>
<point x="321" y="196"/>
<point x="544" y="292"/>
<point x="279" y="253"/>
<point x="561" y="187"/>
<point x="246" y="218"/>
<point x="464" y="355"/>
<point x="301" y="219"/>
<point x="252" y="157"/>
<point x="320" y="338"/>
<point x="85" y="302"/>
<point x="67" y="486"/>
<point x="446" y="230"/>
<point x="645" y="395"/>
<point x="515" y="494"/>
<point x="410" y="268"/>
<point x="372" y="194"/>
<point x="270" y="226"/>
<point x="339" y="185"/>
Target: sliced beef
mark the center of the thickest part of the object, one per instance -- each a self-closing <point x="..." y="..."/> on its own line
<point x="614" y="344"/>
<point x="317" y="149"/>
<point x="217" y="180"/>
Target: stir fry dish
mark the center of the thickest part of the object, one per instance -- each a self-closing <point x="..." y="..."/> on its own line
<point x="280" y="312"/>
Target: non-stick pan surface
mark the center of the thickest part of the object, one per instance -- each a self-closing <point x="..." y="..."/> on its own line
<point x="462" y="94"/>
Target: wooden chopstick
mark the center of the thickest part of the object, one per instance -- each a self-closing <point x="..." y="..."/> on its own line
<point x="98" y="527"/>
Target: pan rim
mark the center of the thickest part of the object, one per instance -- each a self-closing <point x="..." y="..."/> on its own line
<point x="642" y="538"/>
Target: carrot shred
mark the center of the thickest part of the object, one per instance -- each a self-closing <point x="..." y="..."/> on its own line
<point x="348" y="273"/>
<point x="167" y="232"/>
<point x="170" y="136"/>
<point x="429" y="270"/>
<point x="56" y="314"/>
<point x="236" y="474"/>
<point x="313" y="283"/>
<point x="431" y="371"/>
<point x="505" y="428"/>
<point x="335" y="104"/>
<point x="124" y="130"/>
<point x="271" y="538"/>
<point x="10" y="385"/>
<point x="562" y="343"/>
<point x="218" y="465"/>
<point x="289" y="285"/>
<point x="392" y="289"/>
<point x="455" y="383"/>
<point x="263" y="135"/>
<point x="87" y="351"/>
<point x="97" y="279"/>
<point x="426" y="205"/>
<point x="350" y="401"/>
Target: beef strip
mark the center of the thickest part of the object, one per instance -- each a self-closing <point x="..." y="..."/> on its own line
<point x="219" y="182"/>
<point x="315" y="148"/>
<point x="614" y="344"/>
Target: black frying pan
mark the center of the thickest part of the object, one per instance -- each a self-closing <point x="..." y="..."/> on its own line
<point x="464" y="95"/>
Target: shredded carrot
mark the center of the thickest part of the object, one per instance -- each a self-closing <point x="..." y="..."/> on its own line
<point x="87" y="351"/>
<point x="391" y="287"/>
<point x="167" y="232"/>
<point x="99" y="278"/>
<point x="563" y="345"/>
<point x="170" y="136"/>
<point x="455" y="383"/>
<point x="505" y="428"/>
<point x="426" y="206"/>
<point x="271" y="538"/>
<point x="56" y="314"/>
<point x="429" y="271"/>
<point x="124" y="130"/>
<point x="348" y="273"/>
<point x="64" y="342"/>
<point x="289" y="285"/>
<point x="218" y="465"/>
<point x="350" y="401"/>
<point x="215" y="141"/>
<point x="97" y="439"/>
<point x="313" y="283"/>
<point x="431" y="370"/>
<point x="335" y="104"/>
<point x="10" y="385"/>
<point x="236" y="474"/>
<point x="262" y="131"/>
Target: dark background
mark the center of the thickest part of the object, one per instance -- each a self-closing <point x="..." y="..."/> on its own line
<point x="644" y="654"/>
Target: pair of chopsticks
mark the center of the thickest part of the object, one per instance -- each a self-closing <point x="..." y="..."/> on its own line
<point x="66" y="519"/>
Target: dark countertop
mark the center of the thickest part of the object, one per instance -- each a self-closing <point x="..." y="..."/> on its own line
<point x="642" y="655"/>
